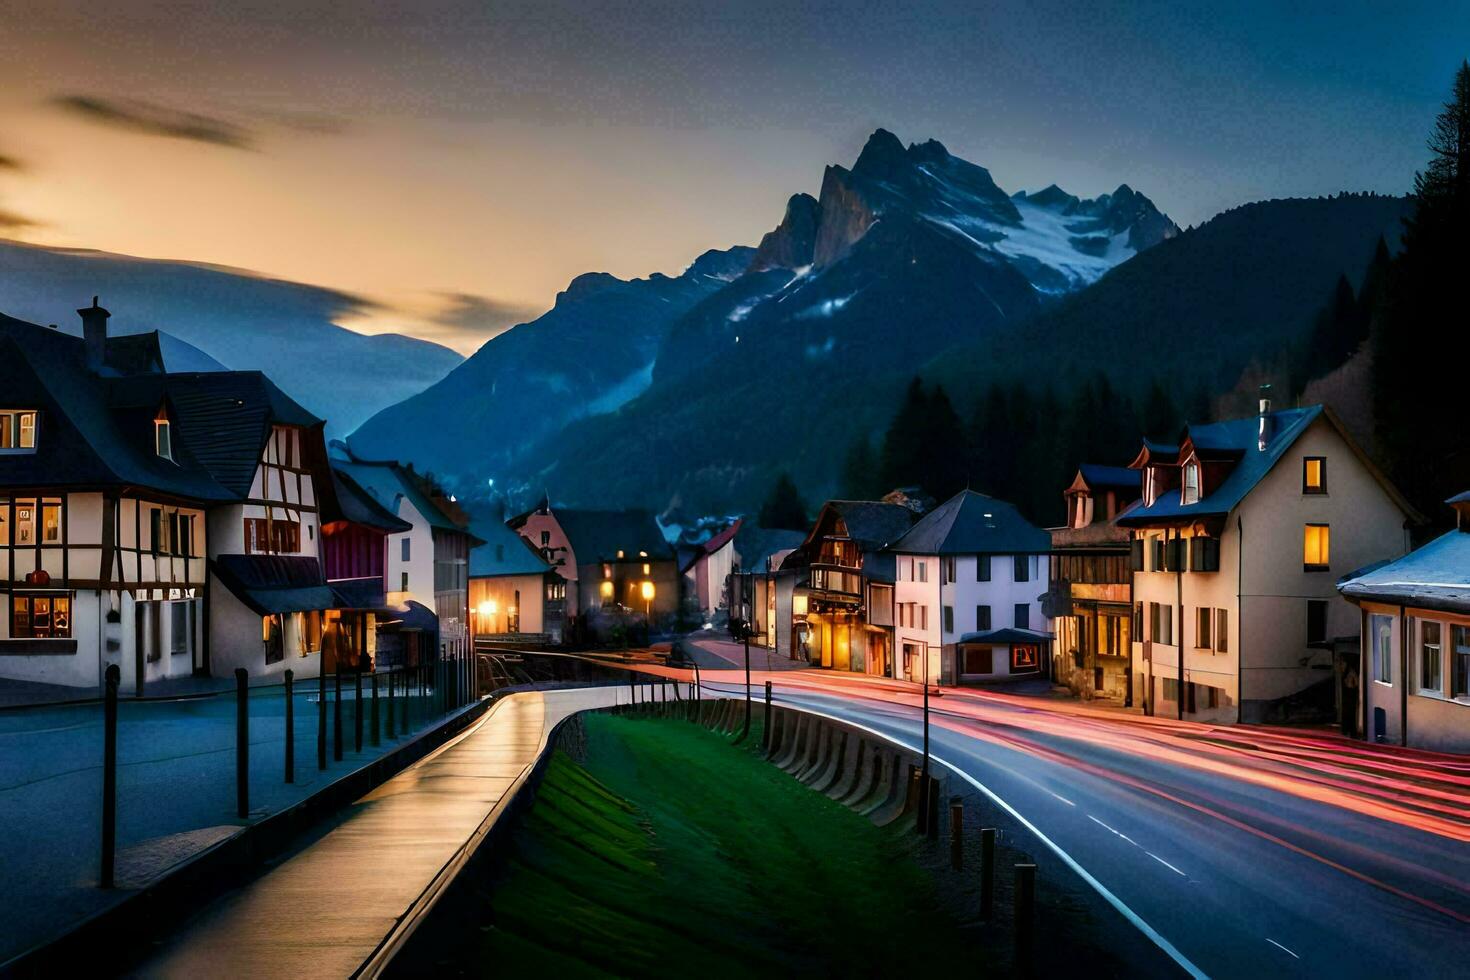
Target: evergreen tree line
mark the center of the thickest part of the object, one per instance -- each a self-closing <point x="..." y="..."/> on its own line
<point x="1018" y="442"/>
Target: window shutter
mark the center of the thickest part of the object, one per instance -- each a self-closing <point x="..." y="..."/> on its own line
<point x="1135" y="557"/>
<point x="1174" y="555"/>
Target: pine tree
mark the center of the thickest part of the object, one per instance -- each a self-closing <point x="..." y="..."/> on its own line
<point x="943" y="466"/>
<point x="901" y="459"/>
<point x="860" y="471"/>
<point x="783" y="507"/>
<point x="1160" y="419"/>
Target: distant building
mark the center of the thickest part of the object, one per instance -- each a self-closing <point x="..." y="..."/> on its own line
<point x="1235" y="543"/>
<point x="429" y="563"/>
<point x="1415" y="652"/>
<point x="609" y="558"/>
<point x="706" y="564"/>
<point x="515" y="595"/>
<point x="1091" y="585"/>
<point x="838" y="612"/>
<point x="756" y="579"/>
<point x="971" y="575"/>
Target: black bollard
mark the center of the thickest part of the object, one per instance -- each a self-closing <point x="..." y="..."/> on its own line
<point x="956" y="834"/>
<point x="357" y="709"/>
<point x="321" y="715"/>
<point x="242" y="743"/>
<point x="113" y="677"/>
<point x="390" y="704"/>
<point x="987" y="872"/>
<point x="377" y="729"/>
<point x="1025" y="916"/>
<point x="290" y="728"/>
<point x="766" y="723"/>
<point x="337" y="713"/>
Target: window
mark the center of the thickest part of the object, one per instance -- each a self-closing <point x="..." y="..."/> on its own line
<point x="51" y="523"/>
<point x="1158" y="542"/>
<point x="1430" y="677"/>
<point x="979" y="660"/>
<point x="274" y="639"/>
<point x="1024" y="657"/>
<point x="1135" y="555"/>
<point x="266" y="536"/>
<point x="155" y="531"/>
<point x="1161" y="623"/>
<point x="25" y="522"/>
<point x="404" y="546"/>
<point x="947" y="569"/>
<point x="607" y="589"/>
<point x="1381" y="634"/>
<point x="1022" y="568"/>
<point x="1203" y="623"/>
<point x="311" y="631"/>
<point x="647" y="568"/>
<point x="403" y="583"/>
<point x="1222" y="630"/>
<point x="1191" y="483"/>
<point x="1204" y="554"/>
<point x="982" y="568"/>
<point x="40" y="616"/>
<point x="923" y="569"/>
<point x="1171" y="688"/>
<point x="17" y="431"/>
<point x="607" y="571"/>
<point x="1138" y="620"/>
<point x="1315" y="541"/>
<point x="1023" y="615"/>
<point x="163" y="443"/>
<point x="545" y="539"/>
<point x="949" y="619"/>
<point x="178" y="628"/>
<point x="923" y="617"/>
<point x="982" y="618"/>
<point x="1316" y="621"/>
<point x="1459" y="661"/>
<point x="182" y="532"/>
<point x="1314" y="474"/>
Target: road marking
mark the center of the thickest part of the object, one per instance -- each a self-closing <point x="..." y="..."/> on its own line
<point x="1281" y="947"/>
<point x="1062" y="798"/>
<point x="1111" y="830"/>
<point x="1166" y="864"/>
<point x="1153" y="934"/>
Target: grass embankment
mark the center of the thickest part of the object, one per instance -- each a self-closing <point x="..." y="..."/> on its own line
<point x="669" y="851"/>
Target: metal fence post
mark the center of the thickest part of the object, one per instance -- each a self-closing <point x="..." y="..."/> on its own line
<point x="242" y="743"/>
<point x="390" y="704"/>
<point x="290" y="727"/>
<point x="956" y="833"/>
<point x="357" y="709"/>
<point x="113" y="677"/>
<point x="337" y="713"/>
<point x="1025" y="915"/>
<point x="987" y="872"/>
<point x="766" y="724"/>
<point x="321" y="715"/>
<point x="377" y="729"/>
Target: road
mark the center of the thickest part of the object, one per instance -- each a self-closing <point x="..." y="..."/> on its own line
<point x="1249" y="851"/>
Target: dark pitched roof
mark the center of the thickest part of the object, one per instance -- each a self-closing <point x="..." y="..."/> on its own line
<point x="1436" y="576"/>
<point x="388" y="483"/>
<point x="1096" y="475"/>
<point x="754" y="544"/>
<point x="598" y="535"/>
<point x="1006" y="635"/>
<point x="971" y="523"/>
<point x="504" y="552"/>
<point x="360" y="507"/>
<point x="872" y="523"/>
<point x="269" y="584"/>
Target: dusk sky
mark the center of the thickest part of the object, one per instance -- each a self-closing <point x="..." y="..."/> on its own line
<point x="458" y="163"/>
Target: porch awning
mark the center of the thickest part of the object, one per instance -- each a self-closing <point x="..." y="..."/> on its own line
<point x="1006" y="636"/>
<point x="359" y="593"/>
<point x="270" y="584"/>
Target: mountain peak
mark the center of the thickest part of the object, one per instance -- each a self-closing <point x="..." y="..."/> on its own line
<point x="881" y="155"/>
<point x="791" y="243"/>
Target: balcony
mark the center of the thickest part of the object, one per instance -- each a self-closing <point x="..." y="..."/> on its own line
<point x="847" y="583"/>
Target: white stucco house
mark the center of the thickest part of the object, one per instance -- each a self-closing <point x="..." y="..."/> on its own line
<point x="968" y="591"/>
<point x="1237" y="542"/>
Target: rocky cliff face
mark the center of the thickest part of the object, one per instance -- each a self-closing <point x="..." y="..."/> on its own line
<point x="791" y="244"/>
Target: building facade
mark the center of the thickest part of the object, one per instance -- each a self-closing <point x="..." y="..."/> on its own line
<point x="1091" y="585"/>
<point x="1237" y="541"/>
<point x="515" y="596"/>
<point x="970" y="578"/>
<point x="1414" y="681"/>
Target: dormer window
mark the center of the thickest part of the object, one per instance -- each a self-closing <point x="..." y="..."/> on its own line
<point x="1191" y="482"/>
<point x="163" y="443"/>
<point x="1150" y="487"/>
<point x="17" y="431"/>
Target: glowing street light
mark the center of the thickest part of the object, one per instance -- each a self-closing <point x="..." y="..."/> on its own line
<point x="647" y="598"/>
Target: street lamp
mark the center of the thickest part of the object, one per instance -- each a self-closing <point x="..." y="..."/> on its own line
<point x="647" y="599"/>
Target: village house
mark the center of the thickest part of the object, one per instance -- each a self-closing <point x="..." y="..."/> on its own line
<point x="706" y="558"/>
<point x="610" y="559"/>
<point x="429" y="563"/>
<point x="833" y="594"/>
<point x="162" y="521"/>
<point x="1090" y="601"/>
<point x="1415" y="649"/>
<point x="1236" y="540"/>
<point x="971" y="575"/>
<point x="755" y="579"/>
<point x="515" y="595"/>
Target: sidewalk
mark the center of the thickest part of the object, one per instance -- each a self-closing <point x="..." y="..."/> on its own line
<point x="16" y="694"/>
<point x="175" y="793"/>
<point x="328" y="909"/>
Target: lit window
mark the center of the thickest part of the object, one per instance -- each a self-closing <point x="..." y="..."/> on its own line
<point x="1191" y="483"/>
<point x="1429" y="660"/>
<point x="646" y="568"/>
<point x="607" y="571"/>
<point x="607" y="590"/>
<point x="1381" y="631"/>
<point x="1314" y="474"/>
<point x="163" y="443"/>
<point x="17" y="431"/>
<point x="51" y="523"/>
<point x="1315" y="541"/>
<point x="40" y="617"/>
<point x="620" y="552"/>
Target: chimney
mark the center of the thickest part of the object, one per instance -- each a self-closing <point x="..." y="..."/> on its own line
<point x="94" y="334"/>
<point x="1263" y="424"/>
